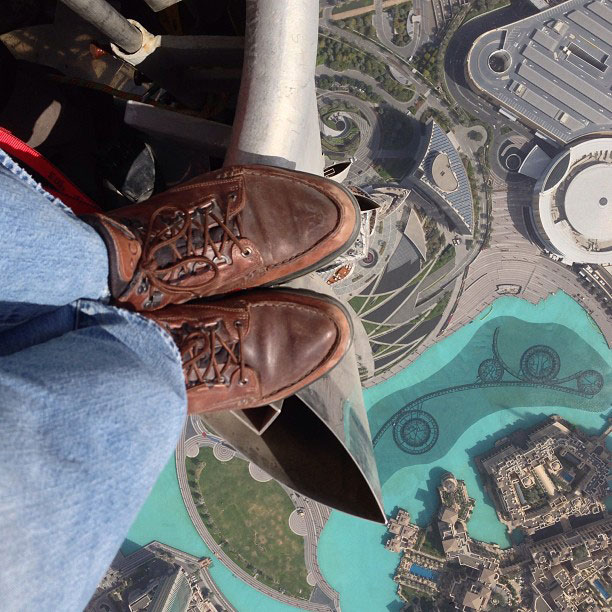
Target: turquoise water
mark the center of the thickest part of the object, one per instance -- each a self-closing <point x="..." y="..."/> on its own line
<point x="468" y="421"/>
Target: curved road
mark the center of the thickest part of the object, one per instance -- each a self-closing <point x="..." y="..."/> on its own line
<point x="365" y="44"/>
<point x="454" y="65"/>
<point x="369" y="128"/>
<point x="378" y="20"/>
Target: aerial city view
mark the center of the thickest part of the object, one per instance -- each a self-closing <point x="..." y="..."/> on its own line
<point x="480" y="134"/>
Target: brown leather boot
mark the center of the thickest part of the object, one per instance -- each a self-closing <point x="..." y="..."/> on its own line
<point x="224" y="231"/>
<point x="255" y="348"/>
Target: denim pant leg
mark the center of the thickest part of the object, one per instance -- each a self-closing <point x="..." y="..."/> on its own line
<point x="48" y="257"/>
<point x="89" y="417"/>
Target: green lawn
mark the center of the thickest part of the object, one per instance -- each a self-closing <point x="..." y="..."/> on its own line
<point x="357" y="302"/>
<point x="447" y="254"/>
<point x="347" y="143"/>
<point x="250" y="520"/>
<point x="438" y="309"/>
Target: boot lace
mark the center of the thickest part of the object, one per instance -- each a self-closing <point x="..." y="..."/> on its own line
<point x="176" y="242"/>
<point x="210" y="359"/>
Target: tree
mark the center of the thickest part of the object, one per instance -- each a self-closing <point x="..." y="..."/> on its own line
<point x="475" y="135"/>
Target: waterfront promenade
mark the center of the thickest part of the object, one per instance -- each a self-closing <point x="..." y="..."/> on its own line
<point x="514" y="259"/>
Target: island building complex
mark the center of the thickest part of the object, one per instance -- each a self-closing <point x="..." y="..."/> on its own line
<point x="549" y="482"/>
<point x="554" y="473"/>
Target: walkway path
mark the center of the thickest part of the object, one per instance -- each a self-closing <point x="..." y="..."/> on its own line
<point x="211" y="440"/>
<point x="513" y="258"/>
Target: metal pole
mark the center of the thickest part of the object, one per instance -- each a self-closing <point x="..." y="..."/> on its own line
<point x="160" y="5"/>
<point x="109" y="21"/>
<point x="276" y="119"/>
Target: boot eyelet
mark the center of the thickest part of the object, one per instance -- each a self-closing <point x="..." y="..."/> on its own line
<point x="233" y="196"/>
<point x="247" y="252"/>
<point x="243" y="381"/>
<point x="238" y="323"/>
<point x="221" y="260"/>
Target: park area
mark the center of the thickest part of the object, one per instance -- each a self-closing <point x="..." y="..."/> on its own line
<point x="249" y="520"/>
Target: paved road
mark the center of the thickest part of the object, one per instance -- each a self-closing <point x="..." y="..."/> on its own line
<point x="454" y="66"/>
<point x="383" y="31"/>
<point x="365" y="78"/>
<point x="399" y="64"/>
<point x="365" y="44"/>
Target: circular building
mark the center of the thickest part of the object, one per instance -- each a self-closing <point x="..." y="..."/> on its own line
<point x="572" y="206"/>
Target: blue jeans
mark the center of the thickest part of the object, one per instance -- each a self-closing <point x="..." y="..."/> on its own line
<point x="92" y="402"/>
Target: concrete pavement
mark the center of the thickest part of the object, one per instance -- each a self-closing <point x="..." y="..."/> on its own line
<point x="514" y="259"/>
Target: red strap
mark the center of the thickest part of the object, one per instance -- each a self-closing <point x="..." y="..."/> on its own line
<point x="63" y="188"/>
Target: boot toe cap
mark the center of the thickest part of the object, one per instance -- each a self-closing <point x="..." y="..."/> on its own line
<point x="293" y="343"/>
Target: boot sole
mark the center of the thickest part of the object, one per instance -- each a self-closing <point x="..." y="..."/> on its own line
<point x="329" y="258"/>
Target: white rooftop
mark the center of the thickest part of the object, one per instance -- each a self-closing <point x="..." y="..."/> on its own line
<point x="588" y="202"/>
<point x="574" y="202"/>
